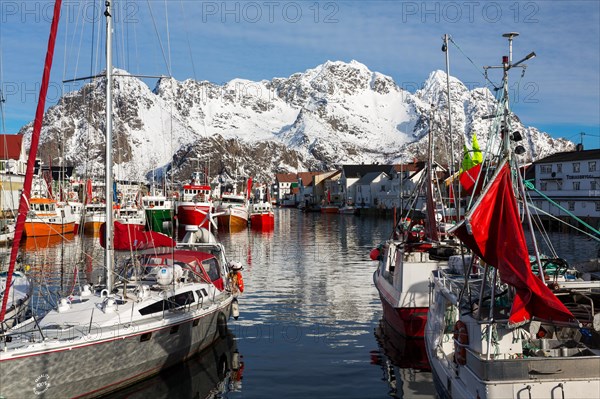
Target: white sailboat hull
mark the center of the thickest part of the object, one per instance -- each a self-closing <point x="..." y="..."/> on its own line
<point x="70" y="363"/>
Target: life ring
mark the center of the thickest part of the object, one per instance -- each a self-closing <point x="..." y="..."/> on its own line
<point x="461" y="340"/>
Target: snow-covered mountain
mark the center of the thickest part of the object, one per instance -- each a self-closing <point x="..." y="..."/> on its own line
<point x="337" y="113"/>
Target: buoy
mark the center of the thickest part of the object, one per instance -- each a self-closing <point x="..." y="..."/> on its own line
<point x="374" y="254"/>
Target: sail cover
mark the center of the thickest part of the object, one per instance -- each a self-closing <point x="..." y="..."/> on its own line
<point x="496" y="236"/>
<point x="128" y="237"/>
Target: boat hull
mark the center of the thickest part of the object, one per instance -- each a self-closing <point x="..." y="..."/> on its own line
<point x="160" y="220"/>
<point x="233" y="219"/>
<point x="408" y="322"/>
<point x="193" y="215"/>
<point x="262" y="221"/>
<point x="92" y="227"/>
<point x="40" y="229"/>
<point x="402" y="280"/>
<point x="116" y="363"/>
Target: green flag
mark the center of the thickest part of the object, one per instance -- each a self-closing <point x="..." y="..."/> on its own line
<point x="472" y="156"/>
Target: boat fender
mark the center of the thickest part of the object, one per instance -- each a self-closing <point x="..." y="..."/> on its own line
<point x="235" y="361"/>
<point x="461" y="340"/>
<point x="104" y="293"/>
<point x="375" y="254"/>
<point x="142" y="292"/>
<point x="109" y="305"/>
<point x="235" y="309"/>
<point x="64" y="305"/>
<point x="86" y="291"/>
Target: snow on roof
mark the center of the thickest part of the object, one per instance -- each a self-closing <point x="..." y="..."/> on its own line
<point x="369" y="177"/>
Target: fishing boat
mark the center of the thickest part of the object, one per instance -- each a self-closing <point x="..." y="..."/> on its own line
<point x="155" y="310"/>
<point x="195" y="202"/>
<point x="94" y="217"/>
<point x="159" y="212"/>
<point x="405" y="261"/>
<point x="48" y="217"/>
<point x="130" y="213"/>
<point x="495" y="328"/>
<point x="232" y="211"/>
<point x="262" y="216"/>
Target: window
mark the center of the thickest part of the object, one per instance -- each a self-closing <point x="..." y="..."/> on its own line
<point x="559" y="185"/>
<point x="576" y="185"/>
<point x="559" y="167"/>
<point x="383" y="188"/>
<point x="546" y="168"/>
<point x="182" y="299"/>
<point x="212" y="268"/>
<point x="543" y="186"/>
<point x="597" y="205"/>
<point x="571" y="205"/>
<point x="576" y="167"/>
<point x="592" y="166"/>
<point x="593" y="185"/>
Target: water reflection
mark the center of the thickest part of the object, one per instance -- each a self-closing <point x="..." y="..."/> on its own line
<point x="212" y="373"/>
<point x="307" y="314"/>
<point x="403" y="363"/>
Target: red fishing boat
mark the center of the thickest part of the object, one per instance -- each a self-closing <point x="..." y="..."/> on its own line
<point x="262" y="216"/>
<point x="261" y="212"/>
<point x="195" y="203"/>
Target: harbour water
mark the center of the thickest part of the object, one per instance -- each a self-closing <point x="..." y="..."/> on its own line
<point x="310" y="323"/>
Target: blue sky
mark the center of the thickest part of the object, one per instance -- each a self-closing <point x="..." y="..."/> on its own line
<point x="559" y="93"/>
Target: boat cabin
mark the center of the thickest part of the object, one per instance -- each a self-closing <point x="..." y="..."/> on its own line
<point x="190" y="266"/>
<point x="42" y="206"/>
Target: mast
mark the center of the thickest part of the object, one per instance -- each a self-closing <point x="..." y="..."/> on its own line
<point x="35" y="139"/>
<point x="451" y="167"/>
<point x="506" y="136"/>
<point x="108" y="261"/>
<point x="432" y="223"/>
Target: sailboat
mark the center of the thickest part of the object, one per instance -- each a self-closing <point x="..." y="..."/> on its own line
<point x="495" y="328"/>
<point x="156" y="310"/>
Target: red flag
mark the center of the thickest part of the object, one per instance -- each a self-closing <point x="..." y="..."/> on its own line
<point x="469" y="177"/>
<point x="249" y="188"/>
<point x="497" y="237"/>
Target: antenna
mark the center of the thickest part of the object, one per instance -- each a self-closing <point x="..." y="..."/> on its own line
<point x="507" y="64"/>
